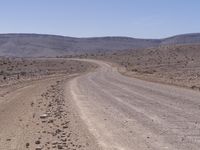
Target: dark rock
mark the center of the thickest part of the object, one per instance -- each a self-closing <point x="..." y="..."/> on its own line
<point x="27" y="145"/>
<point x="37" y="142"/>
<point x="60" y="147"/>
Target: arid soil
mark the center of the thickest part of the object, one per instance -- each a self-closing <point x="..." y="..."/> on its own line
<point x="175" y="64"/>
<point x="96" y="108"/>
<point x="35" y="114"/>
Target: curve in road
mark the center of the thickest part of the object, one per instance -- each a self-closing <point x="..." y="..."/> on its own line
<point x="130" y="114"/>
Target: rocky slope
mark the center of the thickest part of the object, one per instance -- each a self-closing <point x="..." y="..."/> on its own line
<point x="35" y="45"/>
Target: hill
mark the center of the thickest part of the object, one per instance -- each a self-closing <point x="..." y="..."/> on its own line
<point x="36" y="45"/>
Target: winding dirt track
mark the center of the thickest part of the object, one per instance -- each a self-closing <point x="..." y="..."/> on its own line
<point x="122" y="113"/>
<point x="130" y="114"/>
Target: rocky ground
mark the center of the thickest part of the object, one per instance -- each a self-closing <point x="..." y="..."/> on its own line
<point x="56" y="122"/>
<point x="36" y="114"/>
<point x="13" y="70"/>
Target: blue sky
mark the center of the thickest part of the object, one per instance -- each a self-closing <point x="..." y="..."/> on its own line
<point x="87" y="18"/>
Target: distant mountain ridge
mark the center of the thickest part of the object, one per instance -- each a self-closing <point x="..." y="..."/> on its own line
<point x="193" y="38"/>
<point x="38" y="45"/>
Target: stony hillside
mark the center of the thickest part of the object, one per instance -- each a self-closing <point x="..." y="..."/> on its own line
<point x="35" y="45"/>
<point x="32" y="45"/>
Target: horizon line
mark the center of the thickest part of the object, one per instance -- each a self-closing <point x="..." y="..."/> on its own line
<point x="87" y="37"/>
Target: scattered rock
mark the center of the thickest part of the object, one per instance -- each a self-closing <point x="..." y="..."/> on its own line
<point x="43" y="116"/>
<point x="32" y="103"/>
<point x="60" y="147"/>
<point x="37" y="142"/>
<point x="38" y="148"/>
<point x="27" y="145"/>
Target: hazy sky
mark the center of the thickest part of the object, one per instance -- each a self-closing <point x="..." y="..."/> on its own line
<point x="86" y="18"/>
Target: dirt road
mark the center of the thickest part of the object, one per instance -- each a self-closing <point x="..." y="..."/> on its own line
<point x="121" y="113"/>
<point x="35" y="115"/>
<point x="130" y="114"/>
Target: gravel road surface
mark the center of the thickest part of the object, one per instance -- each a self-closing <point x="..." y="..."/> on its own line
<point x="130" y="114"/>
